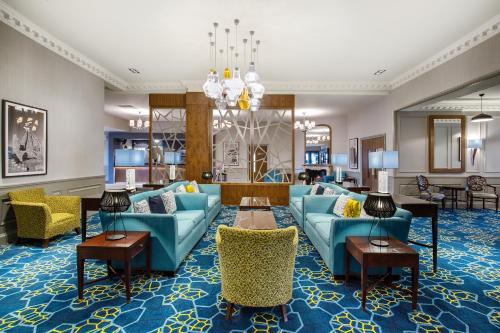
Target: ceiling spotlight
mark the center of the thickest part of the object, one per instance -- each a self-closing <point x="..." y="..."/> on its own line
<point x="380" y="72"/>
<point x="134" y="71"/>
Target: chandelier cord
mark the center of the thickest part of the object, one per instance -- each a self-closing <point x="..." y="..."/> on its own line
<point x="211" y="43"/>
<point x="236" y="22"/>
<point x="251" y="46"/>
<point x="215" y="45"/>
<point x="245" y="51"/>
<point x="227" y="47"/>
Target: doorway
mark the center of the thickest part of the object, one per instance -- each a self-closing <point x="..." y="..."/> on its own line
<point x="372" y="144"/>
<point x="259" y="168"/>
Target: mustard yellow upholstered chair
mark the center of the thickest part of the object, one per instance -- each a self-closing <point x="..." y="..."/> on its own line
<point x="256" y="266"/>
<point x="41" y="216"/>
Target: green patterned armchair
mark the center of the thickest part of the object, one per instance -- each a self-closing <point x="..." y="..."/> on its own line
<point x="257" y="266"/>
<point x="40" y="216"/>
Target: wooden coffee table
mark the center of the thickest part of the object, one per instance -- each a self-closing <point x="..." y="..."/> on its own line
<point x="255" y="219"/>
<point x="397" y="254"/>
<point x="123" y="250"/>
<point x="249" y="203"/>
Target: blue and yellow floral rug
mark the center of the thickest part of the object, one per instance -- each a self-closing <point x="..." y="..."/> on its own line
<point x="38" y="289"/>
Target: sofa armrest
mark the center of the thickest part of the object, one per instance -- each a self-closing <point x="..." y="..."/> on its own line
<point x="192" y="201"/>
<point x="404" y="214"/>
<point x="210" y="189"/>
<point x="299" y="190"/>
<point x="64" y="204"/>
<point x="319" y="203"/>
<point x="31" y="218"/>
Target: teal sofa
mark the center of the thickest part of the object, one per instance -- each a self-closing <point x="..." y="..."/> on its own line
<point x="173" y="236"/>
<point x="328" y="231"/>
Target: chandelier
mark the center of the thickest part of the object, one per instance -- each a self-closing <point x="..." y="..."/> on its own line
<point x="220" y="124"/>
<point x="139" y="124"/>
<point x="232" y="90"/>
<point x="306" y="125"/>
<point x="314" y="140"/>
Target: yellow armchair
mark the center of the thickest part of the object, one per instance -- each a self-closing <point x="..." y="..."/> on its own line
<point x="40" y="216"/>
<point x="256" y="266"/>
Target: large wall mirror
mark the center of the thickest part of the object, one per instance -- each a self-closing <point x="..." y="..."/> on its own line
<point x="318" y="145"/>
<point x="447" y="140"/>
<point x="252" y="147"/>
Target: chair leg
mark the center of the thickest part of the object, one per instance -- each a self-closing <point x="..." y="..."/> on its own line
<point x="45" y="243"/>
<point x="484" y="205"/>
<point x="497" y="205"/>
<point x="283" y="312"/>
<point x="77" y="230"/>
<point x="229" y="310"/>
<point x="443" y="202"/>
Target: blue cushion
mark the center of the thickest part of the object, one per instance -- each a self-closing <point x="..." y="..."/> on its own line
<point x="195" y="216"/>
<point x="156" y="205"/>
<point x="314" y="218"/>
<point x="184" y="227"/>
<point x="298" y="203"/>
<point x="323" y="229"/>
<point x="213" y="200"/>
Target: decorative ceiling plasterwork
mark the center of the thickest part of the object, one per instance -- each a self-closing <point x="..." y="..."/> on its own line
<point x="460" y="106"/>
<point x="22" y="24"/>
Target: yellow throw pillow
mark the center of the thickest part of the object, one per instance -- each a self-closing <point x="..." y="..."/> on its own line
<point x="189" y="188"/>
<point x="352" y="208"/>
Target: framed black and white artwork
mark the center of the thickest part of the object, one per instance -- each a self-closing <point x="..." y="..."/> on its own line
<point x="231" y="153"/>
<point x="24" y="140"/>
<point x="353" y="153"/>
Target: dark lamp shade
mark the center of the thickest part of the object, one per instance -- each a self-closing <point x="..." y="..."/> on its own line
<point x="206" y="175"/>
<point x="115" y="201"/>
<point x="482" y="117"/>
<point x="303" y="176"/>
<point x="380" y="205"/>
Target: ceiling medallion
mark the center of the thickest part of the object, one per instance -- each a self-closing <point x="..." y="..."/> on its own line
<point x="232" y="90"/>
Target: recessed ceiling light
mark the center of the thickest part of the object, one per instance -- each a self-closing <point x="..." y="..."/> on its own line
<point x="380" y="72"/>
<point x="134" y="71"/>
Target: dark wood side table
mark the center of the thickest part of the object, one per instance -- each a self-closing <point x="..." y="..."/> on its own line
<point x="422" y="208"/>
<point x="454" y="189"/>
<point x="123" y="250"/>
<point x="397" y="254"/>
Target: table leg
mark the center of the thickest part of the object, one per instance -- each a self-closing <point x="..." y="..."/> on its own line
<point x="346" y="264"/>
<point x="83" y="223"/>
<point x="127" y="272"/>
<point x="414" y="280"/>
<point x="364" y="284"/>
<point x="108" y="266"/>
<point x="434" y="242"/>
<point x="80" y="263"/>
<point x="148" y="257"/>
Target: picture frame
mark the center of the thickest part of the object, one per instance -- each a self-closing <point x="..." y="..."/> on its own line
<point x="231" y="153"/>
<point x="353" y="153"/>
<point x="24" y="140"/>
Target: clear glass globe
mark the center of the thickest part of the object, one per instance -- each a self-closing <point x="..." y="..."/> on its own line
<point x="254" y="104"/>
<point x="257" y="89"/>
<point x="233" y="88"/>
<point x="251" y="76"/>
<point x="220" y="103"/>
<point x="213" y="89"/>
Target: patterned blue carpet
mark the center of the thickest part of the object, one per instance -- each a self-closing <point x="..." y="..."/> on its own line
<point x="38" y="289"/>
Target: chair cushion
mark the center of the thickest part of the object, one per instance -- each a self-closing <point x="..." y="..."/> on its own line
<point x="58" y="218"/>
<point x="183" y="229"/>
<point x="213" y="200"/>
<point x="315" y="218"/>
<point x="323" y="229"/>
<point x="484" y="195"/>
<point x="298" y="203"/>
<point x="195" y="216"/>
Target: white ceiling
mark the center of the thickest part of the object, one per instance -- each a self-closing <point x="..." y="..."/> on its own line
<point x="320" y="41"/>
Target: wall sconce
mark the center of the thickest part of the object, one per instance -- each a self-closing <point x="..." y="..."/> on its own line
<point x="474" y="144"/>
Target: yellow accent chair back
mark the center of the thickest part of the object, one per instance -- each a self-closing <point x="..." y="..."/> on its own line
<point x="40" y="216"/>
<point x="257" y="266"/>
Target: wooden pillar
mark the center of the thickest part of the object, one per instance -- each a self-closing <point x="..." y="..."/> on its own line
<point x="198" y="131"/>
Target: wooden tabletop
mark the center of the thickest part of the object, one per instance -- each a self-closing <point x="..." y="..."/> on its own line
<point x="100" y="240"/>
<point x="400" y="199"/>
<point x="256" y="220"/>
<point x="255" y="202"/>
<point x="395" y="246"/>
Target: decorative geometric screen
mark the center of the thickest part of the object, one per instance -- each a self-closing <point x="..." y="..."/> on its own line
<point x="252" y="146"/>
<point x="169" y="144"/>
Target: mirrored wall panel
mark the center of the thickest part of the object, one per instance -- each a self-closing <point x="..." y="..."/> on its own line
<point x="251" y="147"/>
<point x="317" y="143"/>
<point x="447" y="143"/>
<point x="169" y="144"/>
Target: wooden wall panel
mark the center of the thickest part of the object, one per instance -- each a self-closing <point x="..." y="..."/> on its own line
<point x="198" y="129"/>
<point x="233" y="192"/>
<point x="167" y="100"/>
<point x="278" y="101"/>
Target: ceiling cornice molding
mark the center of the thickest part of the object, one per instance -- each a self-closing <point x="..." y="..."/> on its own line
<point x="479" y="35"/>
<point x="465" y="106"/>
<point x="28" y="28"/>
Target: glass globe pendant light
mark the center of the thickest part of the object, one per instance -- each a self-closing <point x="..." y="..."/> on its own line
<point x="244" y="100"/>
<point x="234" y="86"/>
<point x="212" y="87"/>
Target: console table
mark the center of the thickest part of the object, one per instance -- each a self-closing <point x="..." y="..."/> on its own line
<point x="422" y="208"/>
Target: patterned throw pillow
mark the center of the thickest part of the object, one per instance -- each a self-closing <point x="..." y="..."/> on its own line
<point x="141" y="207"/>
<point x="180" y="189"/>
<point x="195" y="186"/>
<point x="314" y="189"/>
<point x="352" y="208"/>
<point x="338" y="209"/>
<point x="169" y="202"/>
<point x="329" y="191"/>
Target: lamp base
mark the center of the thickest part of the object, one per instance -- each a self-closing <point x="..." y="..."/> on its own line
<point x="379" y="243"/>
<point x="113" y="237"/>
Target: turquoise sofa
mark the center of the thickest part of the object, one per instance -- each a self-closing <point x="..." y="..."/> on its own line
<point x="173" y="236"/>
<point x="328" y="231"/>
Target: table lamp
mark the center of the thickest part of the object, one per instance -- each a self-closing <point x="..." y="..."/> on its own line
<point x="207" y="175"/>
<point x="115" y="201"/>
<point x="339" y="160"/>
<point x="383" y="160"/>
<point x="303" y="176"/>
<point x="381" y="206"/>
